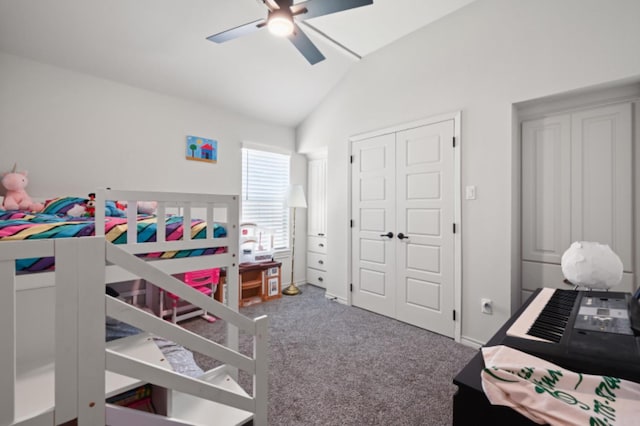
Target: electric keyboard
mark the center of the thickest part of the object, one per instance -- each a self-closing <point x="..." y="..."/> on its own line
<point x="590" y="332"/>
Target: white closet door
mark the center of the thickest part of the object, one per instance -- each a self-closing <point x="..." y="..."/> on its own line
<point x="373" y="209"/>
<point x="403" y="183"/>
<point x="577" y="185"/>
<point x="601" y="194"/>
<point x="424" y="202"/>
<point x="546" y="188"/>
<point x="317" y="193"/>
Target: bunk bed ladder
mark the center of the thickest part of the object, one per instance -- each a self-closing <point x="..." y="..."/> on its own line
<point x="182" y="385"/>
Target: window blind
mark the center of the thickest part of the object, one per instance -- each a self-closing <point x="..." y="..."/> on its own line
<point x="265" y="180"/>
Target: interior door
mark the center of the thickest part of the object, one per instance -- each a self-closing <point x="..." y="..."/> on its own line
<point x="403" y="214"/>
<point x="373" y="209"/>
<point x="424" y="203"/>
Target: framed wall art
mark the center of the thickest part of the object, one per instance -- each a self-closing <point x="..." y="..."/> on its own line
<point x="202" y="149"/>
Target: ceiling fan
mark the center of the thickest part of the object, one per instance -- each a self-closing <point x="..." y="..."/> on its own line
<point x="281" y="21"/>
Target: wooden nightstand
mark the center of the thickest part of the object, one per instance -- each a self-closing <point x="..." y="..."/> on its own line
<point x="259" y="282"/>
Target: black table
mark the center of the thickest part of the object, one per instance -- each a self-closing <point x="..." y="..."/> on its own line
<point x="470" y="405"/>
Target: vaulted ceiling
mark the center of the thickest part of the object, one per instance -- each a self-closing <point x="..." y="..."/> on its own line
<point x="161" y="45"/>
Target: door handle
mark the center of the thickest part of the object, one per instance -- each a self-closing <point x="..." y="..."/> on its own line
<point x="388" y="235"/>
<point x="402" y="236"/>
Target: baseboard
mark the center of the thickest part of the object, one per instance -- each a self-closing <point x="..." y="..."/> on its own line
<point x="467" y="341"/>
<point x="335" y="298"/>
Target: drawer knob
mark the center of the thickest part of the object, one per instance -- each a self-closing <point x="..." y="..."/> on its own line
<point x="320" y="279"/>
<point x="320" y="245"/>
<point x="321" y="262"/>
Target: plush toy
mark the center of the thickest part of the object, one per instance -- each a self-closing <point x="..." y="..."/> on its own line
<point x="86" y="209"/>
<point x="77" y="210"/>
<point x="16" y="197"/>
<point x="90" y="205"/>
<point x="147" y="207"/>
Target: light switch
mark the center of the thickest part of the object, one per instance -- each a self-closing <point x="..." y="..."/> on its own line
<point x="470" y="192"/>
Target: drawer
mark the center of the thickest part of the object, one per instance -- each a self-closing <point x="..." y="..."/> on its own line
<point x="317" y="244"/>
<point x="317" y="261"/>
<point x="316" y="277"/>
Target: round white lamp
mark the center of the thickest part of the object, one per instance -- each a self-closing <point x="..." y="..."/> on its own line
<point x="591" y="265"/>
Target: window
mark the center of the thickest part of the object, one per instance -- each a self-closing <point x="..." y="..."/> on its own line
<point x="265" y="180"/>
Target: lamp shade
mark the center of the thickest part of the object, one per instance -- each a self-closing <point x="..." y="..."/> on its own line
<point x="295" y="197"/>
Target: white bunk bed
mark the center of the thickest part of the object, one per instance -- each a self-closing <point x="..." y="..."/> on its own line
<point x="57" y="367"/>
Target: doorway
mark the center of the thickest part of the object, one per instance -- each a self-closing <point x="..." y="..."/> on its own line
<point x="578" y="153"/>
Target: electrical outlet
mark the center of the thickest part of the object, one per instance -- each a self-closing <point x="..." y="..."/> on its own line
<point x="486" y="306"/>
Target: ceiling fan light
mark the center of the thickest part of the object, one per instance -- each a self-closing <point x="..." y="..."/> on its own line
<point x="280" y="24"/>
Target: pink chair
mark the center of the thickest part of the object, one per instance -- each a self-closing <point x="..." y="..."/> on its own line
<point x="205" y="281"/>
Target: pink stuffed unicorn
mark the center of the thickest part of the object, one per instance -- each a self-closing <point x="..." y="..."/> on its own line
<point x="16" y="197"/>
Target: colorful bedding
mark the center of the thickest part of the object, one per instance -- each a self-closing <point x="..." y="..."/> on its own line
<point x="18" y="225"/>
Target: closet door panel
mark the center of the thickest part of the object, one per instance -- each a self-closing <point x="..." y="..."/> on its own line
<point x="317" y="193"/>
<point x="424" y="199"/>
<point x="374" y="209"/>
<point x="546" y="188"/>
<point x="602" y="179"/>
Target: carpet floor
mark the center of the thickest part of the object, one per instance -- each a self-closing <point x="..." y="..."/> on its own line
<point x="332" y="364"/>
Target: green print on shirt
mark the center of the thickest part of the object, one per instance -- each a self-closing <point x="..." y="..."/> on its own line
<point x="604" y="413"/>
<point x="602" y="408"/>
<point x="548" y="383"/>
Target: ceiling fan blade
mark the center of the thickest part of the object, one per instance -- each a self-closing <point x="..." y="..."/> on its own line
<point x="271" y="4"/>
<point x="325" y="7"/>
<point x="236" y="32"/>
<point x="305" y="46"/>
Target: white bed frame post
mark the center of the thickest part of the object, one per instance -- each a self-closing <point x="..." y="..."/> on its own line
<point x="233" y="285"/>
<point x="80" y="330"/>
<point x="261" y="377"/>
<point x="8" y="330"/>
<point x="8" y="336"/>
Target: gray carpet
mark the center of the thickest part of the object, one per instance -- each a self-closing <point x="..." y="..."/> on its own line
<point x="332" y="364"/>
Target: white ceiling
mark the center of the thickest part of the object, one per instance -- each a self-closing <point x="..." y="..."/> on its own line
<point x="161" y="45"/>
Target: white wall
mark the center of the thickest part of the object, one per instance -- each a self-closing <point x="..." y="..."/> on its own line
<point x="480" y="60"/>
<point x="75" y="133"/>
